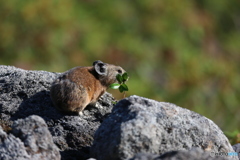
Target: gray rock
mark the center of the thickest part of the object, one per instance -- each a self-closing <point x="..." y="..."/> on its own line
<point x="11" y="147"/>
<point x="24" y="93"/>
<point x="145" y="156"/>
<point x="139" y="124"/>
<point x="236" y="148"/>
<point x="29" y="139"/>
<point x="195" y="153"/>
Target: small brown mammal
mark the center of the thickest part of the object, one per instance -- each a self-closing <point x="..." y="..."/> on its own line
<point x="78" y="87"/>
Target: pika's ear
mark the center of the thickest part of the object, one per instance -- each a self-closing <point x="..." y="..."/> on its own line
<point x="100" y="67"/>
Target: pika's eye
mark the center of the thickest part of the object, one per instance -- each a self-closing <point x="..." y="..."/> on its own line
<point x="119" y="71"/>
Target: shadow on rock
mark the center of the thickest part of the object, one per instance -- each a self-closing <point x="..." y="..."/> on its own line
<point x="39" y="104"/>
<point x="108" y="136"/>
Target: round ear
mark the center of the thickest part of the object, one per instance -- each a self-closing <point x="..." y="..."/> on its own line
<point x="100" y="67"/>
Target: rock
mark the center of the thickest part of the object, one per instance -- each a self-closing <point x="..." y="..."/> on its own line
<point x="24" y="93"/>
<point x="195" y="153"/>
<point x="236" y="148"/>
<point x="29" y="139"/>
<point x="11" y="147"/>
<point x="145" y="156"/>
<point x="139" y="124"/>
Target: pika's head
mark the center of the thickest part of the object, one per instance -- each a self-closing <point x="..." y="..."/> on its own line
<point x="107" y="72"/>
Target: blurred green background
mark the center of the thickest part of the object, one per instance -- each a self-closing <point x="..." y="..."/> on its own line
<point x="183" y="52"/>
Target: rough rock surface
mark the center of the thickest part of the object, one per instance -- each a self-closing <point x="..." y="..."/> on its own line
<point x="236" y="148"/>
<point x="145" y="156"/>
<point x="29" y="139"/>
<point x="11" y="147"/>
<point x="196" y="154"/>
<point x="139" y="124"/>
<point x="24" y="93"/>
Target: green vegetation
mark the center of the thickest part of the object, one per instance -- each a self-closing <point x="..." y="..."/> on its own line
<point x="234" y="137"/>
<point x="186" y="52"/>
<point x="121" y="85"/>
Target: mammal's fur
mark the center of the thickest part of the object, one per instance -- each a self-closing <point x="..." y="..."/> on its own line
<point x="73" y="90"/>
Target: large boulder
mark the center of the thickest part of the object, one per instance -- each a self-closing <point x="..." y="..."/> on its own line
<point x="29" y="139"/>
<point x="141" y="125"/>
<point x="24" y="93"/>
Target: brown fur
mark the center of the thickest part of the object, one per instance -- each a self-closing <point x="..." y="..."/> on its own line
<point x="73" y="90"/>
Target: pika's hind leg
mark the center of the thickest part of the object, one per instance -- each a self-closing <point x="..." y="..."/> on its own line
<point x="80" y="109"/>
<point x="76" y="97"/>
<point x="80" y="105"/>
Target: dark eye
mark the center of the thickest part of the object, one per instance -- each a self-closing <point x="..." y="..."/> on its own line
<point x="102" y="69"/>
<point x="119" y="71"/>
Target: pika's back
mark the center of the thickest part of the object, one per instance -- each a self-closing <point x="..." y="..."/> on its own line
<point x="79" y="75"/>
<point x="73" y="90"/>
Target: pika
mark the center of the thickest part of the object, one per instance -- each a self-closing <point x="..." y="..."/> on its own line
<point x="78" y="87"/>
